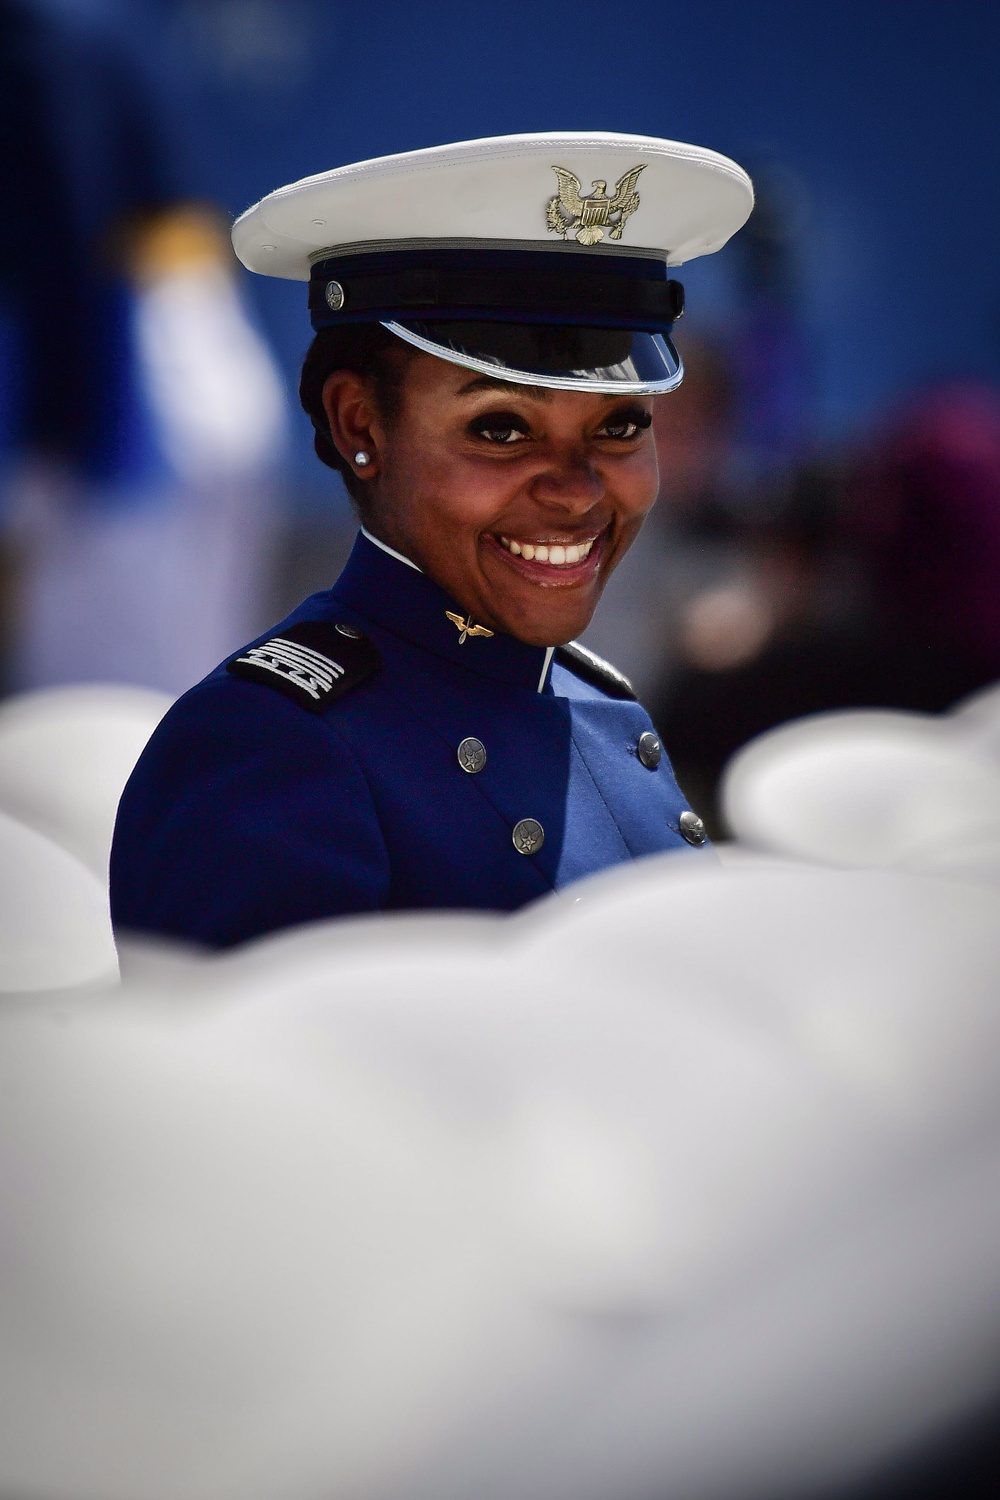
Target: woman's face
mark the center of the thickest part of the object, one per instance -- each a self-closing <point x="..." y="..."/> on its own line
<point x="517" y="500"/>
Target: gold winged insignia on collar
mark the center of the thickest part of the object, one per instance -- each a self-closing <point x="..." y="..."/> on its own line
<point x="466" y="627"/>
<point x="589" y="214"/>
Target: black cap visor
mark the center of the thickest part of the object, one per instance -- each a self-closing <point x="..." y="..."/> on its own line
<point x="603" y="361"/>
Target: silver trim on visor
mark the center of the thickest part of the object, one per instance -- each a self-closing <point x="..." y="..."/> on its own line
<point x="661" y="352"/>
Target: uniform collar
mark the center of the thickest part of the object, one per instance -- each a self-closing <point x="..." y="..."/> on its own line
<point x="387" y="589"/>
<point x="390" y="551"/>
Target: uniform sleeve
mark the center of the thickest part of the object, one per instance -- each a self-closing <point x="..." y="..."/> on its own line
<point x="245" y="814"/>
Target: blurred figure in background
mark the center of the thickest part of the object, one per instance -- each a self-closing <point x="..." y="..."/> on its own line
<point x="873" y="585"/>
<point x="138" y="501"/>
<point x="864" y="579"/>
<point x="922" y="510"/>
<point x="764" y="643"/>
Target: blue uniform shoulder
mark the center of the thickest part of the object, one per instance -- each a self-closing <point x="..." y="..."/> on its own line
<point x="313" y="662"/>
<point x="593" y="669"/>
<point x="243" y="815"/>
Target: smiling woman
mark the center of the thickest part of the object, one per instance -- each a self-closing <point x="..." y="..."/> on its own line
<point x="516" y="499"/>
<point x="427" y="733"/>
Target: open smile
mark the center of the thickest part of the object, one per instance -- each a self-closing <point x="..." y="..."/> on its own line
<point x="555" y="554"/>
<point x="550" y="559"/>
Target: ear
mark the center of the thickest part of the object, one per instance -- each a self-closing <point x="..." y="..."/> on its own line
<point x="354" y="423"/>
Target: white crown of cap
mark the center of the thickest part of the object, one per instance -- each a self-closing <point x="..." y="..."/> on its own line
<point x="496" y="190"/>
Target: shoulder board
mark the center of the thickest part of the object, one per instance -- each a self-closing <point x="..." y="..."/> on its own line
<point x="314" y="662"/>
<point x="595" y="670"/>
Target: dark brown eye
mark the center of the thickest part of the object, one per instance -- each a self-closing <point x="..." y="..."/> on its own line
<point x="499" y="427"/>
<point x="626" y="424"/>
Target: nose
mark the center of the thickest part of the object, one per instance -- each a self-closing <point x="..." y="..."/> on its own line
<point x="569" y="484"/>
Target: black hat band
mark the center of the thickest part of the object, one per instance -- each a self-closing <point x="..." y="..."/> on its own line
<point x="521" y="287"/>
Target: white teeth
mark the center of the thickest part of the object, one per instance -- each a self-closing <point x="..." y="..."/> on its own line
<point x="556" y="555"/>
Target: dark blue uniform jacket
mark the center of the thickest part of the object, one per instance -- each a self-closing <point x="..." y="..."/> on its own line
<point x="262" y="801"/>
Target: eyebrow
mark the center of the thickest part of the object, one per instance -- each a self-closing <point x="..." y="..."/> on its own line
<point x="508" y="387"/>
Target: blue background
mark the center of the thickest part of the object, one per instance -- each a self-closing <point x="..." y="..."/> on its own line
<point x="884" y="112"/>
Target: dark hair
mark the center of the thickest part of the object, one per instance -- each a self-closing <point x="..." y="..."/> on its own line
<point x="370" y="351"/>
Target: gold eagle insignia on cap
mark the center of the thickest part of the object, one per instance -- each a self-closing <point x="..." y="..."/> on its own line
<point x="465" y="626"/>
<point x="589" y="214"/>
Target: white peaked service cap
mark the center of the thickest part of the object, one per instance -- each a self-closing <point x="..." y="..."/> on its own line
<point x="540" y="259"/>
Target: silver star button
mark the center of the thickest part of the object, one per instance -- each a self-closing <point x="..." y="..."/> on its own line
<point x="472" y="755"/>
<point x="528" y="836"/>
<point x="649" y="750"/>
<point x="692" y="828"/>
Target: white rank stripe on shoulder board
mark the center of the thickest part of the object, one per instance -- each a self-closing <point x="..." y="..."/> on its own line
<point x="307" y="669"/>
<point x="313" y="662"/>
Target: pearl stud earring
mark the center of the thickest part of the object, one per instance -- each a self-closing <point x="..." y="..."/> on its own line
<point x="361" y="459"/>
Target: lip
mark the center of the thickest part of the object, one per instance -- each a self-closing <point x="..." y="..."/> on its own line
<point x="545" y="575"/>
